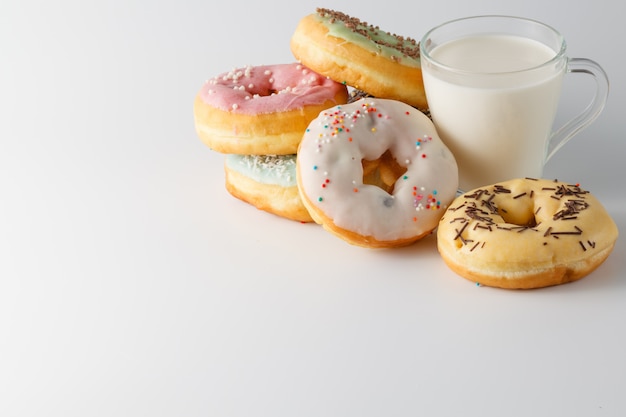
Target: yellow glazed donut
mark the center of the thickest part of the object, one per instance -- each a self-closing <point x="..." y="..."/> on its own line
<point x="361" y="56"/>
<point x="375" y="173"/>
<point x="267" y="182"/>
<point x="525" y="233"/>
<point x="262" y="110"/>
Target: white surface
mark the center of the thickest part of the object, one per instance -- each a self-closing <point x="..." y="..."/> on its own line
<point x="132" y="284"/>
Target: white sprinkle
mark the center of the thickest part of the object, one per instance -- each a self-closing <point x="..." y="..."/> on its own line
<point x="235" y="106"/>
<point x="279" y="166"/>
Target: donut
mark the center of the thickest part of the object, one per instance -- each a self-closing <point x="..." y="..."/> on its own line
<point x="525" y="233"/>
<point x="375" y="173"/>
<point x="360" y="55"/>
<point x="262" y="110"/>
<point x="266" y="182"/>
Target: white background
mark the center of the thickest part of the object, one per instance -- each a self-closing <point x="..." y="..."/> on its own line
<point x="133" y="284"/>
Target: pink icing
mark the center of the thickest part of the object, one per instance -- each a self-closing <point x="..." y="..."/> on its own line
<point x="268" y="89"/>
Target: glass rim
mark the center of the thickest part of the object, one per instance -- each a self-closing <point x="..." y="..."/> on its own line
<point x="558" y="55"/>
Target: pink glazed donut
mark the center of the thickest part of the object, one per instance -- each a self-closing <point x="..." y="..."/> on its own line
<point x="375" y="173"/>
<point x="262" y="110"/>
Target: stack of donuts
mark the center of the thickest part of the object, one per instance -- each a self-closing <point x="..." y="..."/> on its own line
<point x="256" y="116"/>
<point x="341" y="137"/>
<point x="270" y="119"/>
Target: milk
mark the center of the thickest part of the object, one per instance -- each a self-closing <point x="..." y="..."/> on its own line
<point x="495" y="112"/>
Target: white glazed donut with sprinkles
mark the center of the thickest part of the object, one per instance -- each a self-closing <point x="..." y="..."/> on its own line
<point x="375" y="173"/>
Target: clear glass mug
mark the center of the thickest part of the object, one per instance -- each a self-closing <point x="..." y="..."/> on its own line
<point x="493" y="85"/>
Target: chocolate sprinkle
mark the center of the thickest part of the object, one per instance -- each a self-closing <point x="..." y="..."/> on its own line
<point x="481" y="206"/>
<point x="500" y="189"/>
<point x="459" y="232"/>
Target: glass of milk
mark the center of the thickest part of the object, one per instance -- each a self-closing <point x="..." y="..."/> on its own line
<point x="493" y="85"/>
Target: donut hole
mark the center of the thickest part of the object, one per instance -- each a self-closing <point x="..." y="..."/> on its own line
<point x="382" y="172"/>
<point x="524" y="218"/>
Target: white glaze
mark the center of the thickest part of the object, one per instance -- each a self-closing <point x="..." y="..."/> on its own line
<point x="331" y="173"/>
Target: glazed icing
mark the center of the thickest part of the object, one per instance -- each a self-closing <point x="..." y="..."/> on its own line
<point x="490" y="221"/>
<point x="266" y="169"/>
<point x="331" y="172"/>
<point x="526" y="233"/>
<point x="398" y="48"/>
<point x="268" y="89"/>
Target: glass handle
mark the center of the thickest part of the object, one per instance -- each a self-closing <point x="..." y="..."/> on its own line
<point x="582" y="66"/>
